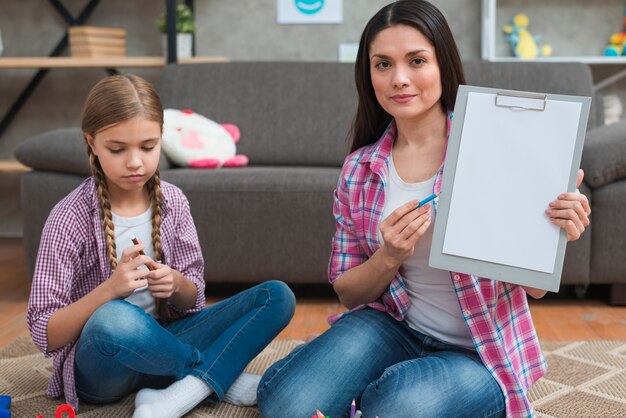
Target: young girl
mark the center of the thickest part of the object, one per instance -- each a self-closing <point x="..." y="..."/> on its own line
<point x="92" y="305"/>
<point x="417" y="341"/>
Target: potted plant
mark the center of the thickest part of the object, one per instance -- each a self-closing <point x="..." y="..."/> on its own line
<point x="185" y="27"/>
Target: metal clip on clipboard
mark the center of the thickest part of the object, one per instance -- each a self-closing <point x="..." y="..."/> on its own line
<point x="522" y="101"/>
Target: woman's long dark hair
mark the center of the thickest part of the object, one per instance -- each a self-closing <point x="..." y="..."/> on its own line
<point x="371" y="119"/>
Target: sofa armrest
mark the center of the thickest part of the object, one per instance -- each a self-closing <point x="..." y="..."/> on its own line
<point x="604" y="154"/>
<point x="62" y="151"/>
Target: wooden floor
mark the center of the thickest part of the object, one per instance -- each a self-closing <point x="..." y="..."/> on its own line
<point x="556" y="318"/>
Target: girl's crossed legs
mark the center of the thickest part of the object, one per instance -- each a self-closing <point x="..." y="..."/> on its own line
<point x="390" y="369"/>
<point x="122" y="349"/>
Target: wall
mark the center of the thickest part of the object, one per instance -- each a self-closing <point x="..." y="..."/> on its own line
<point x="252" y="32"/>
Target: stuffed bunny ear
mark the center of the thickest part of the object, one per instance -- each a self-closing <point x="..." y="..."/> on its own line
<point x="233" y="130"/>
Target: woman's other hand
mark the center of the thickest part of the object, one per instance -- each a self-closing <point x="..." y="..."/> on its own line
<point x="571" y="211"/>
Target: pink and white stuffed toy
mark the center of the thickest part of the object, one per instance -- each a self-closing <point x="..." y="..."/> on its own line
<point x="191" y="140"/>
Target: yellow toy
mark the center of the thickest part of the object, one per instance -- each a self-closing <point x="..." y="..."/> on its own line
<point x="524" y="44"/>
<point x="617" y="43"/>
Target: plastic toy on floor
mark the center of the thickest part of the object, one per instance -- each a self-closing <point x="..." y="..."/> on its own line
<point x="617" y="42"/>
<point x="524" y="44"/>
<point x="192" y="140"/>
<point x="5" y="406"/>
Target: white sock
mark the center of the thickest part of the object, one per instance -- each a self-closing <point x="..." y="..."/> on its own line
<point x="243" y="390"/>
<point x="172" y="402"/>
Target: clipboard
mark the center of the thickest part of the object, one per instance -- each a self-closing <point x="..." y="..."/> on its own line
<point x="510" y="154"/>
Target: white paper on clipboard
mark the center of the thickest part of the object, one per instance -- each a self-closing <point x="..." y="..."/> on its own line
<point x="509" y="155"/>
<point x="498" y="173"/>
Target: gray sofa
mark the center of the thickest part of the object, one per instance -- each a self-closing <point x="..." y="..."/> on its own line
<point x="273" y="219"/>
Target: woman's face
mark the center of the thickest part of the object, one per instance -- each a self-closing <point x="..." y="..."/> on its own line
<point x="128" y="153"/>
<point x="405" y="73"/>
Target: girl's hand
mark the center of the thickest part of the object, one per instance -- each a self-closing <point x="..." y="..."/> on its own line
<point x="571" y="211"/>
<point x="402" y="229"/>
<point x="126" y="277"/>
<point x="163" y="282"/>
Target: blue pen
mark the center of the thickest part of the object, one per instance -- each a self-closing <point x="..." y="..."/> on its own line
<point x="428" y="199"/>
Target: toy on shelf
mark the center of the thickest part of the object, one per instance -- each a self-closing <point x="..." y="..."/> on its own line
<point x="524" y="44"/>
<point x="617" y="42"/>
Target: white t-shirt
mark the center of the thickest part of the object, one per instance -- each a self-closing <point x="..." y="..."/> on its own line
<point x="139" y="226"/>
<point x="434" y="309"/>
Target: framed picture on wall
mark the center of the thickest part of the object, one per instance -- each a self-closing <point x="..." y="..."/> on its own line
<point x="309" y="11"/>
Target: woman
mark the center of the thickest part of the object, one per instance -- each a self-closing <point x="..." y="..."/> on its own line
<point x="417" y="341"/>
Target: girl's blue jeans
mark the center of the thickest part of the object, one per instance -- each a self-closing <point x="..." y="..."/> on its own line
<point x="122" y="349"/>
<point x="391" y="370"/>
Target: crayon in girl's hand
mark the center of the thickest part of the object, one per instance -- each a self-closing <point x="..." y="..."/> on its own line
<point x="160" y="307"/>
<point x="136" y="242"/>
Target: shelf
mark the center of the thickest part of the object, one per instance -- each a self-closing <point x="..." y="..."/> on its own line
<point x="491" y="31"/>
<point x="108" y="62"/>
<point x="488" y="48"/>
<point x="584" y="59"/>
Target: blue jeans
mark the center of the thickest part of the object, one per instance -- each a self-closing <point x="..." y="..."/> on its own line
<point x="122" y="349"/>
<point x="391" y="370"/>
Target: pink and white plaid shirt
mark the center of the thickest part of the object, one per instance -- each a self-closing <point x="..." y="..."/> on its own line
<point x="72" y="261"/>
<point x="496" y="313"/>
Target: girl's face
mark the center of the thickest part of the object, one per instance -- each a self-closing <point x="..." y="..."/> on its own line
<point x="405" y="73"/>
<point x="128" y="153"/>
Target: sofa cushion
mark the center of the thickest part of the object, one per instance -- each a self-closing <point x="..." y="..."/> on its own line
<point x="260" y="223"/>
<point x="255" y="179"/>
<point x="604" y="154"/>
<point x="60" y="150"/>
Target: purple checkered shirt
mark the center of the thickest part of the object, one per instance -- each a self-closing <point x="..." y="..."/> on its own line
<point x="496" y="313"/>
<point x="72" y="261"/>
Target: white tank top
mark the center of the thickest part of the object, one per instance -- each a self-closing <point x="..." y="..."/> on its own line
<point x="141" y="227"/>
<point x="434" y="309"/>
